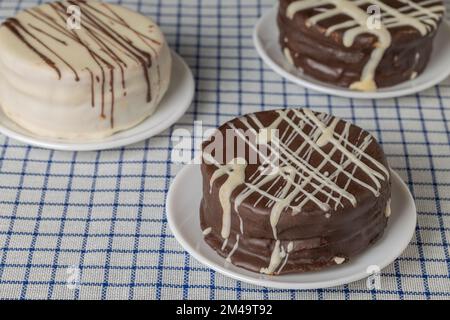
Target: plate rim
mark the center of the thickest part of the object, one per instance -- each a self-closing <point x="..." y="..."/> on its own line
<point x="273" y="283"/>
<point x="99" y="145"/>
<point x="325" y="88"/>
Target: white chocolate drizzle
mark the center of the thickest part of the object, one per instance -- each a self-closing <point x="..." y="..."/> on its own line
<point x="297" y="181"/>
<point x="388" y="210"/>
<point x="276" y="258"/>
<point x="233" y="250"/>
<point x="280" y="256"/>
<point x="288" y="55"/>
<point x="339" y="260"/>
<point x="422" y="16"/>
<point x="207" y="231"/>
<point x="224" y="244"/>
<point x="289" y="248"/>
<point x="235" y="170"/>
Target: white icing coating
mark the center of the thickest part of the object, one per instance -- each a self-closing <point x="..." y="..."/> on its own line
<point x="292" y="171"/>
<point x="207" y="231"/>
<point x="35" y="96"/>
<point x="339" y="260"/>
<point x="414" y="14"/>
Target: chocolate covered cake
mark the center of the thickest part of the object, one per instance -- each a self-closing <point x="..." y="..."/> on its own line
<point x="292" y="190"/>
<point x="360" y="44"/>
<point x="81" y="69"/>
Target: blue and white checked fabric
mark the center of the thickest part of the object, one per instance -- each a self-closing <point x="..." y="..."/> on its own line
<point x="93" y="225"/>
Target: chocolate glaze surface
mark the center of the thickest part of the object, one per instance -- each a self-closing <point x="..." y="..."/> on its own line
<point x="319" y="51"/>
<point x="308" y="234"/>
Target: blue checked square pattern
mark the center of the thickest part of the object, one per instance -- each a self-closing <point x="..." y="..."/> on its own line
<point x="99" y="217"/>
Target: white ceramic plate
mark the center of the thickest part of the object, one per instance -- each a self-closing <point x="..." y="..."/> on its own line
<point x="176" y="101"/>
<point x="265" y="37"/>
<point x="183" y="205"/>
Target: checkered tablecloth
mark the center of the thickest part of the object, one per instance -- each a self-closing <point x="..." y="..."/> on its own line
<point x="99" y="217"/>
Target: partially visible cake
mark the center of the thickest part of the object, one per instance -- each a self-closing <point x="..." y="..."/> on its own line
<point x="363" y="44"/>
<point x="60" y="81"/>
<point x="292" y="190"/>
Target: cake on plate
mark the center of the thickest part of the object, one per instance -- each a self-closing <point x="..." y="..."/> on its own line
<point x="362" y="44"/>
<point x="290" y="191"/>
<point x="81" y="69"/>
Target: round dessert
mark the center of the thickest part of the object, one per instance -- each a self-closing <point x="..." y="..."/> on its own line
<point x="362" y="45"/>
<point x="292" y="190"/>
<point x="81" y="69"/>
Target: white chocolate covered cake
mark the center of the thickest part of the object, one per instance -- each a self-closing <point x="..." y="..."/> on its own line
<point x="81" y="69"/>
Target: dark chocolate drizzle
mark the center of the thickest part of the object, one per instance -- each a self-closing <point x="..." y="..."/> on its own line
<point x="92" y="87"/>
<point x="99" y="32"/>
<point x="14" y="25"/>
